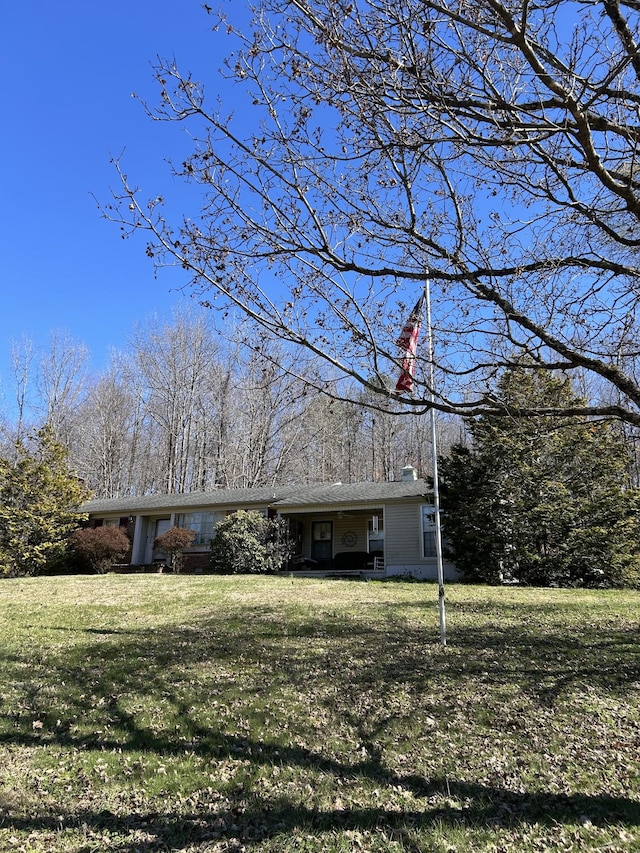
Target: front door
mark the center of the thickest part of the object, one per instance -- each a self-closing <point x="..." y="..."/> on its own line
<point x="155" y="528"/>
<point x="322" y="543"/>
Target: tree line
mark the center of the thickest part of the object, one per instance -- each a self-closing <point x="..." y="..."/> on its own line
<point x="537" y="500"/>
<point x="189" y="407"/>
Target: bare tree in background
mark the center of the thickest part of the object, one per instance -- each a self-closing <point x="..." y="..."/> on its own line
<point x="173" y="361"/>
<point x="61" y="383"/>
<point x="326" y="442"/>
<point x="493" y="145"/>
<point x="104" y="433"/>
<point x="23" y="374"/>
<point x="271" y="407"/>
<point x="214" y="435"/>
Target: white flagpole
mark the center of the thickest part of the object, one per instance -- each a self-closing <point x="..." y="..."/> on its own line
<point x="436" y="486"/>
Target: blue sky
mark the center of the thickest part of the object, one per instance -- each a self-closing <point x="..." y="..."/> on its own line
<point x="68" y="71"/>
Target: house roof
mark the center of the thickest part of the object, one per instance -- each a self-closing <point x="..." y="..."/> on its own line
<point x="189" y="500"/>
<point x="353" y="493"/>
<point x="285" y="498"/>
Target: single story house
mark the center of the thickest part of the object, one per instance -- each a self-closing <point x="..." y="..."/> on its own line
<point x="371" y="529"/>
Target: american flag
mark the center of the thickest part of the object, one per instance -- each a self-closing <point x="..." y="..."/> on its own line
<point x="408" y="342"/>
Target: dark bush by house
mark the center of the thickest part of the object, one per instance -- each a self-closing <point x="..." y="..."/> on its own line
<point x="101" y="546"/>
<point x="174" y="541"/>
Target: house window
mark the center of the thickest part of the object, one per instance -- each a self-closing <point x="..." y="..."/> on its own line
<point x="117" y="522"/>
<point x="429" y="532"/>
<point x="203" y="523"/>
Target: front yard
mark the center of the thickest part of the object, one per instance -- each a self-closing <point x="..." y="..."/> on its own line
<point x="182" y="713"/>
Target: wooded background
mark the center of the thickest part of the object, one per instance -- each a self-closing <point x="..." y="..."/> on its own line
<point x="186" y="408"/>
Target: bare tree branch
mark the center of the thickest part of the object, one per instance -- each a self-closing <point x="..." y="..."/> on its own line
<point x="492" y="146"/>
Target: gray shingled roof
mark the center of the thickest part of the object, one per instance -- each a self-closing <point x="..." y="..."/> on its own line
<point x="219" y="497"/>
<point x="353" y="493"/>
<point x="284" y="497"/>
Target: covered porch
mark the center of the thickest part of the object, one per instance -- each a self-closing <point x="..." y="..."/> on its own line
<point x="337" y="542"/>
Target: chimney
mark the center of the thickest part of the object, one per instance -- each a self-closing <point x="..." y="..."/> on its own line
<point x="408" y="473"/>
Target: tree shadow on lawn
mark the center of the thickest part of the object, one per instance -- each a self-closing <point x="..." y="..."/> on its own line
<point x="357" y="655"/>
<point x="543" y="663"/>
<point x="248" y="820"/>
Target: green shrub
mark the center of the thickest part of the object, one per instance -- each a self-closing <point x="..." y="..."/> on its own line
<point x="247" y="542"/>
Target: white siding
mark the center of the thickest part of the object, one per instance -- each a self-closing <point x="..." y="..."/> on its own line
<point x="403" y="548"/>
<point x="346" y="524"/>
<point x="402" y="533"/>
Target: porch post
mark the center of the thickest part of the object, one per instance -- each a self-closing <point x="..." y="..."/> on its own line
<point x="137" y="536"/>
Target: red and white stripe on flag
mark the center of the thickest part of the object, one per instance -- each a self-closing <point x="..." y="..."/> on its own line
<point x="408" y="342"/>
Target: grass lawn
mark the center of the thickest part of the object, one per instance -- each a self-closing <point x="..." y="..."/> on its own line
<point x="181" y="713"/>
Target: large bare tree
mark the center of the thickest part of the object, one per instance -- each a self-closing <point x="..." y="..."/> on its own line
<point x="105" y="437"/>
<point x="491" y="145"/>
<point x="61" y="382"/>
<point x="174" y="361"/>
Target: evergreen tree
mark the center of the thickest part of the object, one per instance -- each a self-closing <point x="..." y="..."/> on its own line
<point x="39" y="500"/>
<point x="542" y="500"/>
